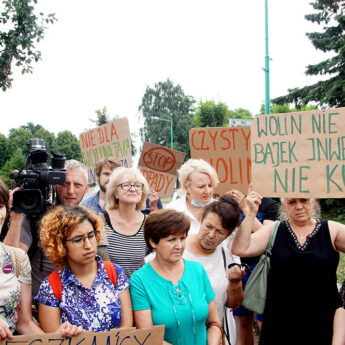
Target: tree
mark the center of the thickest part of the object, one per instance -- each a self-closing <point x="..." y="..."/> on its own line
<point x="18" y="138"/>
<point x="210" y="114"/>
<point x="16" y="162"/>
<point x="167" y="101"/>
<point x="285" y="108"/>
<point x="239" y="113"/>
<point x="22" y="30"/>
<point x="68" y="144"/>
<point x="4" y="155"/>
<point x="330" y="92"/>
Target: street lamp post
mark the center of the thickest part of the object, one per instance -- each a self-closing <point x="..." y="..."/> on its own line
<point x="171" y="129"/>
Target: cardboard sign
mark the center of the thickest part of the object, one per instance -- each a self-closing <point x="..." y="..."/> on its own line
<point x="227" y="149"/>
<point x="159" y="165"/>
<point x="112" y="139"/>
<point x="299" y="154"/>
<point x="125" y="336"/>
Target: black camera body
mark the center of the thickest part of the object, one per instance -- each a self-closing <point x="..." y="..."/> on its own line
<point x="36" y="182"/>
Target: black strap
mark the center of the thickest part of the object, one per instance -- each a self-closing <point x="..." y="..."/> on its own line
<point x="225" y="318"/>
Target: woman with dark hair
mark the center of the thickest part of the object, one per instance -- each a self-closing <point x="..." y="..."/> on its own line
<point x="85" y="290"/>
<point x="218" y="221"/>
<point x="172" y="291"/>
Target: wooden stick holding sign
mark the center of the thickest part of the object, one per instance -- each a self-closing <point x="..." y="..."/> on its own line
<point x="299" y="154"/>
<point x="112" y="139"/>
<point x="124" y="336"/>
<point x="159" y="165"/>
<point x="227" y="149"/>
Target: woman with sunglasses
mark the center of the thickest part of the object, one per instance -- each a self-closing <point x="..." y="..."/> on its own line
<point x="219" y="219"/>
<point x="85" y="290"/>
<point x="126" y="195"/>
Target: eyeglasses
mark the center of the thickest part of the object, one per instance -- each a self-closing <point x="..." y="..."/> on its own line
<point x="127" y="186"/>
<point x="79" y="240"/>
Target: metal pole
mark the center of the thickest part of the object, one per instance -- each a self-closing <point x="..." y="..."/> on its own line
<point x="267" y="64"/>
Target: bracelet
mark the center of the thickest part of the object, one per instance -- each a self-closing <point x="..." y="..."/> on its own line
<point x="219" y="326"/>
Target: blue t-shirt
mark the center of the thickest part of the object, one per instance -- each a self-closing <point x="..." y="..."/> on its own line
<point x="182" y="308"/>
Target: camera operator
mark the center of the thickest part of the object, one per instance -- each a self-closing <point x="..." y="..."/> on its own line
<point x="26" y="237"/>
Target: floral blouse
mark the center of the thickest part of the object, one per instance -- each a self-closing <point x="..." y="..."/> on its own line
<point x="10" y="284"/>
<point x="97" y="309"/>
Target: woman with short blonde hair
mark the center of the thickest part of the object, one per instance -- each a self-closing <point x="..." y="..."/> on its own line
<point x="126" y="196"/>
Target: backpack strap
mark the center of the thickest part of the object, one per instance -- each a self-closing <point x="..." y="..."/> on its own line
<point x="55" y="283"/>
<point x="110" y="268"/>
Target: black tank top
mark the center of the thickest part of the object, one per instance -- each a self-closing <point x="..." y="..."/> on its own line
<point x="302" y="290"/>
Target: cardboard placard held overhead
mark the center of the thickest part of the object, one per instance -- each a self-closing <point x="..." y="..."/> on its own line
<point x="299" y="154"/>
<point x="128" y="336"/>
<point x="112" y="139"/>
<point x="227" y="149"/>
<point x="159" y="165"/>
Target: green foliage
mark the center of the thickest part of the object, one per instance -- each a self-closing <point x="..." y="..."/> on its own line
<point x="210" y="114"/>
<point x="239" y="113"/>
<point x="18" y="138"/>
<point x="68" y="144"/>
<point x="4" y="155"/>
<point x="331" y="92"/>
<point x="21" y="30"/>
<point x="167" y="101"/>
<point x="285" y="108"/>
<point x="16" y="162"/>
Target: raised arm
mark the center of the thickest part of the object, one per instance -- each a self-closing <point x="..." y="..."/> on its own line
<point x="246" y="243"/>
<point x="235" y="290"/>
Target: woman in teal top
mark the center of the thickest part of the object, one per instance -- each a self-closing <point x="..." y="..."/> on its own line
<point x="171" y="291"/>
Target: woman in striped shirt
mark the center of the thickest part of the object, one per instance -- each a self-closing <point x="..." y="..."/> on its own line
<point x="126" y="195"/>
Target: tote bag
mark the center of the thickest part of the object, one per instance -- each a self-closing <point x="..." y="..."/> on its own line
<point x="256" y="287"/>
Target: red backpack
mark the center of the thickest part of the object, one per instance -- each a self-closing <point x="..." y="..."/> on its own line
<point x="55" y="280"/>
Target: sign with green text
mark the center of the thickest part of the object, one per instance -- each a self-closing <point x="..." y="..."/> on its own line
<point x="112" y="139"/>
<point x="299" y="154"/>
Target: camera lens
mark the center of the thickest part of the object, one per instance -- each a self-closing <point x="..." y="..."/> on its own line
<point x="28" y="201"/>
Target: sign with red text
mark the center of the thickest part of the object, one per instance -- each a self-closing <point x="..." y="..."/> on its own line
<point x="227" y="149"/>
<point x="159" y="165"/>
<point x="128" y="336"/>
<point x="112" y="139"/>
<point x="299" y="154"/>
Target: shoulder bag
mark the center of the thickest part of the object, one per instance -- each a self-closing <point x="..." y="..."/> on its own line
<point x="256" y="287"/>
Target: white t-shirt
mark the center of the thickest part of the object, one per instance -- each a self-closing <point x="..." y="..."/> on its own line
<point x="214" y="266"/>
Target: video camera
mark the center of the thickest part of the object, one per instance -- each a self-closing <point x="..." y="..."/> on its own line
<point x="36" y="181"/>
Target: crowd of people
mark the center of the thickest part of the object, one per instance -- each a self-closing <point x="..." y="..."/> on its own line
<point x="119" y="259"/>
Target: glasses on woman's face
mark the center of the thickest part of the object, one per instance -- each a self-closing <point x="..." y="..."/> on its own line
<point x="79" y="240"/>
<point x="127" y="186"/>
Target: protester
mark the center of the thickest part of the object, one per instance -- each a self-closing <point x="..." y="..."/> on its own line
<point x="172" y="291"/>
<point x="27" y="237"/>
<point x="85" y="291"/>
<point x="302" y="293"/>
<point x="104" y="169"/>
<point x="15" y="287"/>
<point x="126" y="195"/>
<point x="97" y="202"/>
<point x="198" y="181"/>
<point x="268" y="212"/>
<point x="219" y="220"/>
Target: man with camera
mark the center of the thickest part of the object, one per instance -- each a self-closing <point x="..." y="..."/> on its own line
<point x="68" y="194"/>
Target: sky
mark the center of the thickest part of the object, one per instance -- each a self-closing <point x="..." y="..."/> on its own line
<point x="107" y="52"/>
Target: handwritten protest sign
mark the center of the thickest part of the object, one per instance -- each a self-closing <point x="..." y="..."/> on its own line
<point x="122" y="336"/>
<point x="227" y="149"/>
<point x="109" y="140"/>
<point x="299" y="154"/>
<point x="159" y="165"/>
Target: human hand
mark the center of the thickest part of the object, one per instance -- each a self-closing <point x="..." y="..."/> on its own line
<point x="153" y="200"/>
<point x="239" y="197"/>
<point x="236" y="274"/>
<point x="10" y="200"/>
<point x="69" y="330"/>
<point x="5" y="331"/>
<point x="253" y="201"/>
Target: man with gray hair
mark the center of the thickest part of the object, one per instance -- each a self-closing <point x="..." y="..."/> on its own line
<point x="69" y="194"/>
